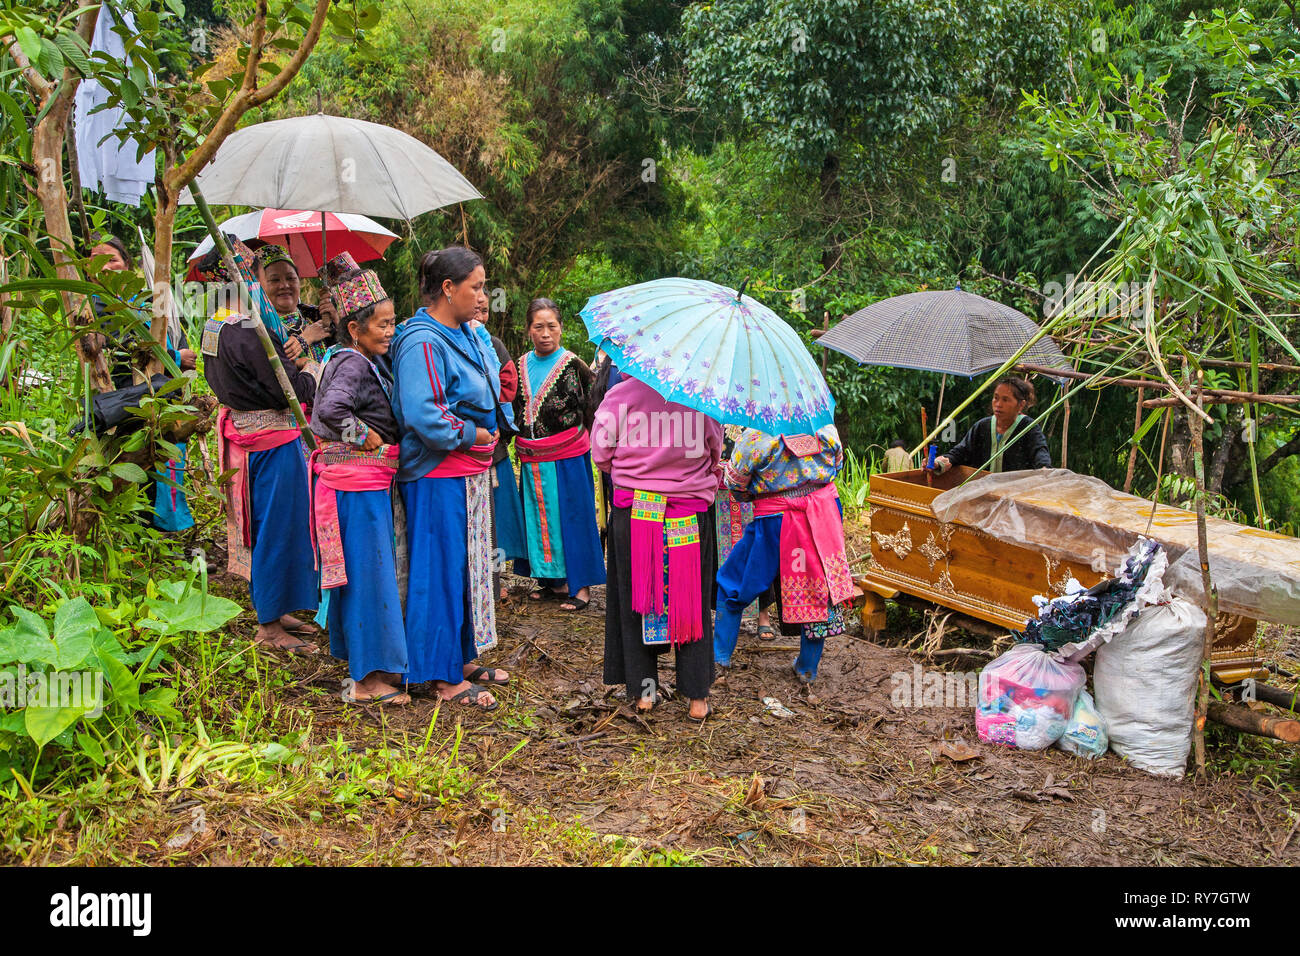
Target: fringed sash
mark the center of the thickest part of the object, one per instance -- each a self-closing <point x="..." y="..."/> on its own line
<point x="814" y="567"/>
<point x="238" y="435"/>
<point x="661" y="523"/>
<point x="337" y="466"/>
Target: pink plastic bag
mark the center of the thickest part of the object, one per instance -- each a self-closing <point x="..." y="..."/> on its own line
<point x="1026" y="698"/>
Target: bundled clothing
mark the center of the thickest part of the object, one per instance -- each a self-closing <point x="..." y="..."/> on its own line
<point x="1021" y="447"/>
<point x="796" y="538"/>
<point x="554" y="447"/>
<point x="662" y="542"/>
<point x="352" y="515"/>
<point x="448" y="381"/>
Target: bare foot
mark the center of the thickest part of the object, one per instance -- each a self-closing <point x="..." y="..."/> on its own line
<point x="274" y="635"/>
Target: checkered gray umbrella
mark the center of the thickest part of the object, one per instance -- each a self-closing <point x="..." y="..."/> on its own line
<point x="941" y="331"/>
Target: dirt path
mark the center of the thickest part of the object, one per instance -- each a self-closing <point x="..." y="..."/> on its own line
<point x="847" y="778"/>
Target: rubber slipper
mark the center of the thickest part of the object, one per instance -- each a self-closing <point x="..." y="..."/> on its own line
<point x="545" y="594"/>
<point x="480" y="673"/>
<point x="469" y="698"/>
<point x="389" y="698"/>
<point x="296" y="648"/>
<point x="578" y="605"/>
<point x="766" y="632"/>
<point x="699" y="720"/>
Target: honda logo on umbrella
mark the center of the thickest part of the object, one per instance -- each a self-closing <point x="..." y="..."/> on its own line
<point x="297" y="219"/>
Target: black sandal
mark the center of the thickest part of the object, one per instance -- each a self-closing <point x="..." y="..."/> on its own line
<point x="540" y="594"/>
<point x="469" y="698"/>
<point x="699" y="720"/>
<point x="578" y="604"/>
<point x="480" y="673"/>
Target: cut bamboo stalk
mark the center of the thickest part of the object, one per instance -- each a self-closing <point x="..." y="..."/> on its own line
<point x="1211" y="596"/>
<point x="1252" y="722"/>
<point x="1133" y="452"/>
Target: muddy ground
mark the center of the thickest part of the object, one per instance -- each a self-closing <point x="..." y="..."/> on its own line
<point x="845" y="777"/>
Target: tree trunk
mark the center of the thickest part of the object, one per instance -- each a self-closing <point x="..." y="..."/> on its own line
<point x="831" y="205"/>
<point x="48" y="139"/>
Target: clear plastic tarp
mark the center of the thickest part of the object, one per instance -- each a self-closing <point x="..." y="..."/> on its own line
<point x="1080" y="518"/>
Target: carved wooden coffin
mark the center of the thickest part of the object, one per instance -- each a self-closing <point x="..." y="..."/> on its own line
<point x="951" y="564"/>
<point x="966" y="570"/>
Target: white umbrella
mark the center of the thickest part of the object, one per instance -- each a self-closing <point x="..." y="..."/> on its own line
<point x="334" y="164"/>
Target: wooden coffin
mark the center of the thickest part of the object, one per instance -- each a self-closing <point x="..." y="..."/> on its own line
<point x="963" y="569"/>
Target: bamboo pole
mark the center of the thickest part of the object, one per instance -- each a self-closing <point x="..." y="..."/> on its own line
<point x="1211" y="597"/>
<point x="259" y="326"/>
<point x="1228" y="399"/>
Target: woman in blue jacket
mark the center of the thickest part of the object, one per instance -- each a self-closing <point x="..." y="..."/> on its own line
<point x="445" y="402"/>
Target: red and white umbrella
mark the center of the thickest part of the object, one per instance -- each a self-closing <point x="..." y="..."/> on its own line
<point x="303" y="233"/>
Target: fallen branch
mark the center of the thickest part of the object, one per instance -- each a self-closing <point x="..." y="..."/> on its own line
<point x="1252" y="722"/>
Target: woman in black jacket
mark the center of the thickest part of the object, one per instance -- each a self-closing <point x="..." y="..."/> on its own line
<point x="1005" y="441"/>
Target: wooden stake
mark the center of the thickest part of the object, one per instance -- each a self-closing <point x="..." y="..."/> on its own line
<point x="1211" y="597"/>
<point x="1133" y="452"/>
<point x="1065" y="435"/>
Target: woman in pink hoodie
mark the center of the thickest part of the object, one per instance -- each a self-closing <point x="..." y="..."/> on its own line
<point x="663" y="460"/>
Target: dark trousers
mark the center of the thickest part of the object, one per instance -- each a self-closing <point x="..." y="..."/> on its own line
<point x="628" y="660"/>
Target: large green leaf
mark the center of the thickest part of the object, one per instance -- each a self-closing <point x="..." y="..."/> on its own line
<point x="28" y="641"/>
<point x="196" y="613"/>
<point x="75" y="625"/>
<point x="46" y="723"/>
<point x="125" y="687"/>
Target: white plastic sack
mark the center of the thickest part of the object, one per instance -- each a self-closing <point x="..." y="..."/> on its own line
<point x="1026" y="698"/>
<point x="1085" y="734"/>
<point x="1145" y="682"/>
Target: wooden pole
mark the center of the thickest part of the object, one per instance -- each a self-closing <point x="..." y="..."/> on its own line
<point x="259" y="326"/>
<point x="1133" y="452"/>
<point x="826" y="327"/>
<point x="1211" y="597"/>
<point x="1065" y="435"/>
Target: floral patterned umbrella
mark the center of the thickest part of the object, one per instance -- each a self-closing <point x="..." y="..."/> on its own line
<point x="715" y="350"/>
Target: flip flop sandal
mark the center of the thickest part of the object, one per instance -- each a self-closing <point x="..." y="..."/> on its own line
<point x="766" y="632"/>
<point x="389" y="698"/>
<point x="301" y="628"/>
<point x="480" y="673"/>
<point x="578" y="605"/>
<point x="699" y="720"/>
<point x="545" y="594"/>
<point x="290" y="648"/>
<point x="469" y="698"/>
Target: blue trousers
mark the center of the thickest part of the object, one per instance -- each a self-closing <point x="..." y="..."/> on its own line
<point x="365" y="615"/>
<point x="752" y="566"/>
<point x="283" y="574"/>
<point x="439" y="630"/>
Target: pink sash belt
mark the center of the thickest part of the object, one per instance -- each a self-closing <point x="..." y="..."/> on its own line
<point x="570" y="443"/>
<point x="462" y="464"/>
<point x="656" y="517"/>
<point x="238" y="435"/>
<point x="335" y="467"/>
